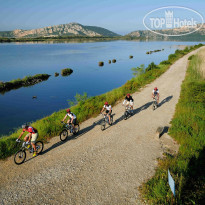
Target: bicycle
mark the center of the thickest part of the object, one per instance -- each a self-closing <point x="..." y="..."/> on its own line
<point x="154" y="104"/>
<point x="20" y="156"/>
<point x="128" y="112"/>
<point x="68" y="131"/>
<point x="106" y="121"/>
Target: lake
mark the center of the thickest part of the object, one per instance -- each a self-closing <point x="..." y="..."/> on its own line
<point x="22" y="59"/>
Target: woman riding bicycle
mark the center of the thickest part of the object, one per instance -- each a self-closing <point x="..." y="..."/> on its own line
<point x="72" y="118"/>
<point x="108" y="111"/>
<point x="129" y="101"/>
<point x="30" y="137"/>
<point x="155" y="93"/>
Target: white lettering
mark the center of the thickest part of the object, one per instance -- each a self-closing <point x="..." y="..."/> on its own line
<point x="162" y="21"/>
<point x="172" y="21"/>
<point x="176" y="22"/>
<point x="181" y="23"/>
<point x="157" y="23"/>
<point x="152" y="22"/>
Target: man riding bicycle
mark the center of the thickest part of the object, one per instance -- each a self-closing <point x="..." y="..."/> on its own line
<point x="72" y="118"/>
<point x="108" y="111"/>
<point x="155" y="93"/>
<point x="30" y="137"/>
<point x="129" y="101"/>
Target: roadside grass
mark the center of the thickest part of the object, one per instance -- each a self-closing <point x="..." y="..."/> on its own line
<point x="188" y="129"/>
<point x="50" y="126"/>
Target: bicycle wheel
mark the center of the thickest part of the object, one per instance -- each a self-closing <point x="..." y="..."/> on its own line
<point x="63" y="135"/>
<point x="39" y="147"/>
<point x="77" y="129"/>
<point x="20" y="157"/>
<point x="103" y="125"/>
<point x="153" y="106"/>
<point x="111" y="120"/>
<point x="125" y="115"/>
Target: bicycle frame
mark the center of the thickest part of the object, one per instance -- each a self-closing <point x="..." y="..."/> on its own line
<point x="106" y="118"/>
<point x="68" y="126"/>
<point x="155" y="100"/>
<point x="128" y="109"/>
<point x="24" y="147"/>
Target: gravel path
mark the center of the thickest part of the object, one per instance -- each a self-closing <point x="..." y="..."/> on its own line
<point x="99" y="167"/>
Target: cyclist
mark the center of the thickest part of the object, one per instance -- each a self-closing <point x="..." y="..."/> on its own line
<point x="30" y="137"/>
<point x="129" y="101"/>
<point x="108" y="111"/>
<point x="72" y="118"/>
<point x="155" y="93"/>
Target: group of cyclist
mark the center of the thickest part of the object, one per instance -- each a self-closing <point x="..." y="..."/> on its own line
<point x="32" y="135"/>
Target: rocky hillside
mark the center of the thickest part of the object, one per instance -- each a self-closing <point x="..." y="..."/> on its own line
<point x="71" y="29"/>
<point x="198" y="35"/>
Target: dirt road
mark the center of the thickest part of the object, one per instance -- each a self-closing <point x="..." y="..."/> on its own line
<point x="99" y="167"/>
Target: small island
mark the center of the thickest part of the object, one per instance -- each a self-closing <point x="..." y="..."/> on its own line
<point x="26" y="81"/>
<point x="101" y="63"/>
<point x="150" y="52"/>
<point x="66" y="71"/>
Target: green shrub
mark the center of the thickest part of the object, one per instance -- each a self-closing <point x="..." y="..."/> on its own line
<point x="166" y="62"/>
<point x="172" y="57"/>
<point x="151" y="66"/>
<point x="190" y="57"/>
<point x="179" y="52"/>
<point x="139" y="70"/>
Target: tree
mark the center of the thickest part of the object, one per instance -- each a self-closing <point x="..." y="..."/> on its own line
<point x="138" y="70"/>
<point x="78" y="99"/>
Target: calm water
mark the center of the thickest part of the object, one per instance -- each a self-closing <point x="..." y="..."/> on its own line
<point x="21" y="59"/>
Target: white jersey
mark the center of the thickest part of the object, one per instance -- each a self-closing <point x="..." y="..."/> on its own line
<point x="107" y="107"/>
<point x="71" y="115"/>
<point x="155" y="92"/>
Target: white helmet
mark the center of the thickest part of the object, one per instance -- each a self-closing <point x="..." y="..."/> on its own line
<point x="24" y="126"/>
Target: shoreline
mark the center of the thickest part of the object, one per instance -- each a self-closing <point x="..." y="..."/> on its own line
<point x="88" y="39"/>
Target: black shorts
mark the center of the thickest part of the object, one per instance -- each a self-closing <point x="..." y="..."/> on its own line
<point x="74" y="121"/>
<point x="107" y="111"/>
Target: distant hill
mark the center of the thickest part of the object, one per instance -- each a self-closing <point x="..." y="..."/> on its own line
<point x="71" y="29"/>
<point x="196" y="36"/>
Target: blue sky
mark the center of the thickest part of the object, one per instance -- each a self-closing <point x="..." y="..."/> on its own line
<point x="120" y="16"/>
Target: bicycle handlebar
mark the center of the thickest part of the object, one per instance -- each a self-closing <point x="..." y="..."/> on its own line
<point x="65" y="123"/>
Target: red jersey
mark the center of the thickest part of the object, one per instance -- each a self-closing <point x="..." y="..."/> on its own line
<point x="31" y="130"/>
